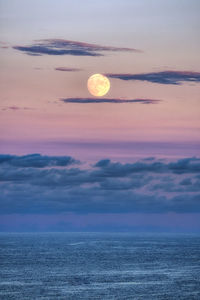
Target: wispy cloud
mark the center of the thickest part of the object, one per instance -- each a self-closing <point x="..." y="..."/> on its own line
<point x="165" y="77"/>
<point x="67" y="47"/>
<point x="108" y="100"/>
<point x="64" y="69"/>
<point x="46" y="184"/>
<point x="15" y="108"/>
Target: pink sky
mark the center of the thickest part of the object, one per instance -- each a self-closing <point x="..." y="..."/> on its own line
<point x="32" y="81"/>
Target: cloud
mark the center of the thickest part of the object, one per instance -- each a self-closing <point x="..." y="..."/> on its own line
<point x="181" y="166"/>
<point x="36" y="161"/>
<point x="64" y="69"/>
<point x="165" y="77"/>
<point x="67" y="47"/>
<point x="51" y="184"/>
<point x="108" y="100"/>
<point x="14" y="108"/>
<point x="186" y="165"/>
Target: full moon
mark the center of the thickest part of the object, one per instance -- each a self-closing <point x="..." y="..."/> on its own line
<point x="98" y="85"/>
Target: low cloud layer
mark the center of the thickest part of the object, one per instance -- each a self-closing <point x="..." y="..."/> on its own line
<point x="108" y="100"/>
<point x="165" y="77"/>
<point x="67" y="47"/>
<point x="53" y="184"/>
<point x="36" y="161"/>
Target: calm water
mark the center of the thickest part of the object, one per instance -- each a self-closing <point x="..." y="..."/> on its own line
<point x="99" y="266"/>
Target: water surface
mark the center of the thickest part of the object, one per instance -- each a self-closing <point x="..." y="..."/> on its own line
<point x="99" y="266"/>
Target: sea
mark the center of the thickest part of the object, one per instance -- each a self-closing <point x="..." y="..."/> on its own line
<point x="102" y="266"/>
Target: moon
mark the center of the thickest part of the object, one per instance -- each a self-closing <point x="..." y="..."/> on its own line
<point x="98" y="85"/>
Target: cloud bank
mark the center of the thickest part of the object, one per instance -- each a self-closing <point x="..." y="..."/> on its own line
<point x="165" y="77"/>
<point x="36" y="161"/>
<point x="67" y="47"/>
<point x="53" y="184"/>
<point x="108" y="100"/>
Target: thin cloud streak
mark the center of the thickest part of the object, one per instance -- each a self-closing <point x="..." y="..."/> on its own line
<point x="107" y="100"/>
<point x="165" y="77"/>
<point x="15" y="108"/>
<point x="68" y="47"/>
<point x="64" y="69"/>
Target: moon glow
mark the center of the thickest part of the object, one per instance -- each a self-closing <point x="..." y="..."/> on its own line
<point x="98" y="85"/>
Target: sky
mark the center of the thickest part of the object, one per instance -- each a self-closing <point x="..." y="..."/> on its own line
<point x="126" y="161"/>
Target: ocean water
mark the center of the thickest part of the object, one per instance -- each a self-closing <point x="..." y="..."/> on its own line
<point x="99" y="266"/>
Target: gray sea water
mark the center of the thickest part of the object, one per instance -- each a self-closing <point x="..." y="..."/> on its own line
<point x="99" y="266"/>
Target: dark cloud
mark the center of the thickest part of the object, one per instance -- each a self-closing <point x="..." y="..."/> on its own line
<point x="49" y="184"/>
<point x="40" y="50"/>
<point x="186" y="165"/>
<point x="182" y="166"/>
<point x="108" y="100"/>
<point x="117" y="169"/>
<point x="36" y="161"/>
<point x="64" y="69"/>
<point x="67" y="47"/>
<point x="165" y="77"/>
